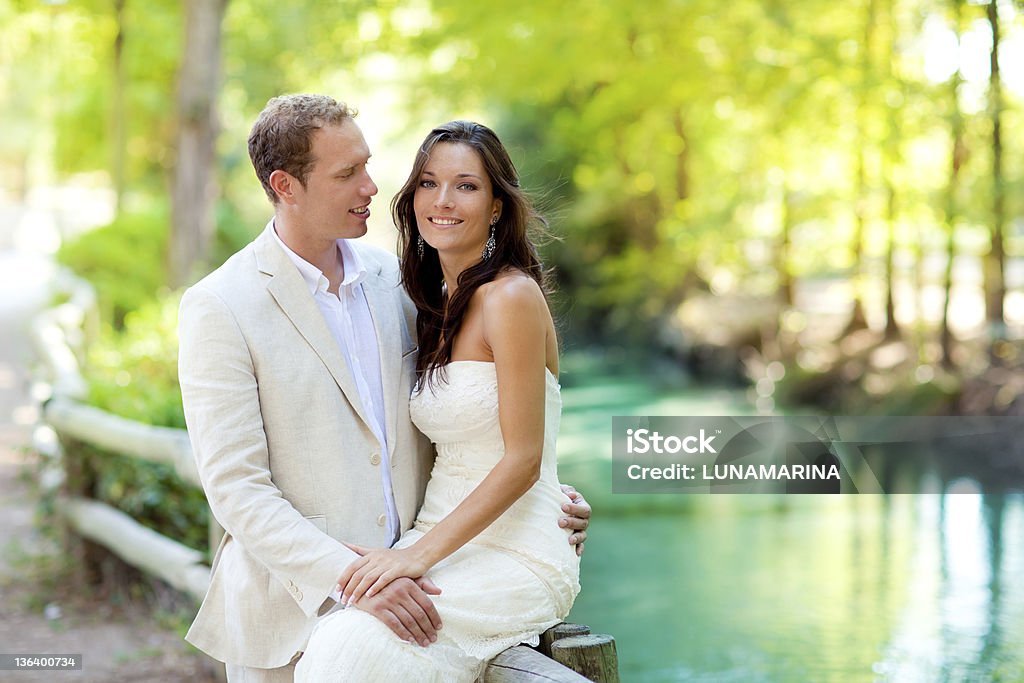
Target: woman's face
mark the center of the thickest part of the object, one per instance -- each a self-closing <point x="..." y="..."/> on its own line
<point x="454" y="202"/>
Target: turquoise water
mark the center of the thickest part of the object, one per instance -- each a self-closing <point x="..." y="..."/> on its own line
<point x="799" y="588"/>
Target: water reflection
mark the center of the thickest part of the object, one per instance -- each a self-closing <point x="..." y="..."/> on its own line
<point x="761" y="588"/>
<point x="813" y="588"/>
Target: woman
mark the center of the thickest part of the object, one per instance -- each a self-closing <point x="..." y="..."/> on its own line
<point x="488" y="396"/>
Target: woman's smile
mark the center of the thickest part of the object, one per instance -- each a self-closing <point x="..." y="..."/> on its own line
<point x="455" y="204"/>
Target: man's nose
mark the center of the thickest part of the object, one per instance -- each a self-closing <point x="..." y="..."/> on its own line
<point x="370" y="188"/>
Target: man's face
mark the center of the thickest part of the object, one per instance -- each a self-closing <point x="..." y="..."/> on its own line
<point x="335" y="200"/>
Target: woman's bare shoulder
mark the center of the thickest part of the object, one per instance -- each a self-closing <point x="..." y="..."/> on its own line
<point x="511" y="288"/>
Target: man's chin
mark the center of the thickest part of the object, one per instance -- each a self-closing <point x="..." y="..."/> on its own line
<point x="354" y="231"/>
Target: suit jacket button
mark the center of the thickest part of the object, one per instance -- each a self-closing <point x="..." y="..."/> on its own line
<point x="381" y="520"/>
<point x="375" y="459"/>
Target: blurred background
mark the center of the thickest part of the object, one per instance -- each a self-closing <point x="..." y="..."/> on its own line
<point x="757" y="208"/>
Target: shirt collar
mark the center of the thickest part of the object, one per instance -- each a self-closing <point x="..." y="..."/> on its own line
<point x="355" y="269"/>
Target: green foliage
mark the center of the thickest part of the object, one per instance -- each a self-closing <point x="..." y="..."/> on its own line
<point x="149" y="492"/>
<point x="666" y="137"/>
<point x="674" y="144"/>
<point x="234" y="231"/>
<point x="133" y="373"/>
<point x="658" y="141"/>
<point x="124" y="261"/>
<point x="682" y="138"/>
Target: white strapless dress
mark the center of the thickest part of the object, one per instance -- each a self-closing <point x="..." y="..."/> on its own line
<point x="513" y="581"/>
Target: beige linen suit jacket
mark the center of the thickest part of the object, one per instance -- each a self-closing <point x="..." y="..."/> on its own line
<point x="288" y="461"/>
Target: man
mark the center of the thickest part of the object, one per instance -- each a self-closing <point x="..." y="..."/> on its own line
<point x="296" y="366"/>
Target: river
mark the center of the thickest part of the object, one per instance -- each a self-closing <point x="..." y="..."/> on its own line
<point x="755" y="588"/>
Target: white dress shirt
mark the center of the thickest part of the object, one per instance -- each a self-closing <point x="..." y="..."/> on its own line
<point x="348" y="318"/>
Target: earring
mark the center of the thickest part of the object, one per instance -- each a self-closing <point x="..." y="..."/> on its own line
<point x="419" y="245"/>
<point x="489" y="245"/>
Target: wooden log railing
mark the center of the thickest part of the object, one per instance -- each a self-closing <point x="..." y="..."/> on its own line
<point x="568" y="653"/>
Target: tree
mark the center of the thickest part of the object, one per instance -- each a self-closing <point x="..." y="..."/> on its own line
<point x="890" y="161"/>
<point x="995" y="260"/>
<point x="194" y="186"/>
<point x="119" y="137"/>
<point x="858" y="319"/>
<point x="958" y="156"/>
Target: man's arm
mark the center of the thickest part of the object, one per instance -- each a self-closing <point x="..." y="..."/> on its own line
<point x="222" y="410"/>
<point x="577" y="517"/>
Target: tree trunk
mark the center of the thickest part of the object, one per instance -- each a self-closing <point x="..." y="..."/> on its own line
<point x="858" y="318"/>
<point x="782" y="263"/>
<point x="891" y="159"/>
<point x="119" y="119"/>
<point x="995" y="261"/>
<point x="920" y="323"/>
<point x="892" y="330"/>
<point x="682" y="159"/>
<point x="194" y="188"/>
<point x="958" y="156"/>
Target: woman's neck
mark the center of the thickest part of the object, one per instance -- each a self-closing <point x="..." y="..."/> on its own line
<point x="451" y="269"/>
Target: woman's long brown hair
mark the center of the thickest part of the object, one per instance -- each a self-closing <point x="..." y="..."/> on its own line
<point x="422" y="276"/>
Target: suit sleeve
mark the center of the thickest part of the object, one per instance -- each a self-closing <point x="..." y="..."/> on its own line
<point x="222" y="411"/>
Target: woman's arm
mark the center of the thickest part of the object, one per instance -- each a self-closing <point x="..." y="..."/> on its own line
<point x="515" y="328"/>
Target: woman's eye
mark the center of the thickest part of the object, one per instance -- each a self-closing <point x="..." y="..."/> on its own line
<point x="467" y="186"/>
<point x="427" y="183"/>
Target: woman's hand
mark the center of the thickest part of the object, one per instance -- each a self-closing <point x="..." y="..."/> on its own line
<point x="376" y="569"/>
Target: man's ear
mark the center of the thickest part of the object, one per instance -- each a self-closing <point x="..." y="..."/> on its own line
<point x="284" y="185"/>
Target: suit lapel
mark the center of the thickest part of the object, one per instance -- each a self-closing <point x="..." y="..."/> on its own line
<point x="292" y="295"/>
<point x="380" y="296"/>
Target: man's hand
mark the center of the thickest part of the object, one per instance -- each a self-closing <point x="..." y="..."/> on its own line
<point x="404" y="608"/>
<point x="578" y="518"/>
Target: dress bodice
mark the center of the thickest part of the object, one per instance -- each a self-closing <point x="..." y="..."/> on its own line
<point x="460" y="416"/>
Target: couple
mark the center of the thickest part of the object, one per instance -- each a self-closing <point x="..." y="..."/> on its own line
<point x="307" y="400"/>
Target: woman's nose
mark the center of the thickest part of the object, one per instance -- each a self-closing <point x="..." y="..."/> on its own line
<point x="444" y="199"/>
